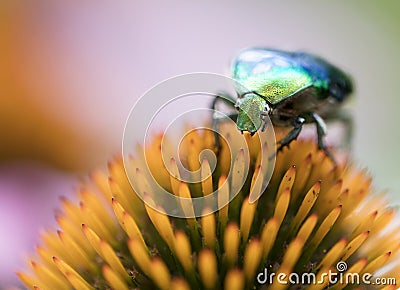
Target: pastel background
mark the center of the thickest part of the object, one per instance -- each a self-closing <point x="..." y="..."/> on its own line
<point x="69" y="73"/>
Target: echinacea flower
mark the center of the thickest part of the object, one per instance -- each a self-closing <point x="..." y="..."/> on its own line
<point x="313" y="215"/>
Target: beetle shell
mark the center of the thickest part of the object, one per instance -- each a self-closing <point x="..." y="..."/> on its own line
<point x="278" y="75"/>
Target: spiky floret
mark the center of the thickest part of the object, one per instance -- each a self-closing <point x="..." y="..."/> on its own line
<point x="312" y="215"/>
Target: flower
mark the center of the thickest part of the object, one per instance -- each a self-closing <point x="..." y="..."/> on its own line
<point x="313" y="215"/>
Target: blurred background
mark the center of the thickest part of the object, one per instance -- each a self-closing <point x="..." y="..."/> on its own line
<point x="69" y="74"/>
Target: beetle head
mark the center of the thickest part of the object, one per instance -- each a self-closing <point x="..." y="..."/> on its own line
<point x="251" y="107"/>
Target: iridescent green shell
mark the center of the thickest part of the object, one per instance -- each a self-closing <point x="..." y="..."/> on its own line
<point x="271" y="74"/>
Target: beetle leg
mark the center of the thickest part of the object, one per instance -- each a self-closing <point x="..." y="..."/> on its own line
<point x="321" y="132"/>
<point x="264" y="116"/>
<point x="218" y="118"/>
<point x="216" y="121"/>
<point x="224" y="98"/>
<point x="346" y="119"/>
<point x="293" y="134"/>
<point x="264" y="127"/>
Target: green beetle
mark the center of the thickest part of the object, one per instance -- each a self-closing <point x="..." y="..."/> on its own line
<point x="292" y="88"/>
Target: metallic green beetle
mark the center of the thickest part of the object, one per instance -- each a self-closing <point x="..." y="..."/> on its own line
<point x="292" y="88"/>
